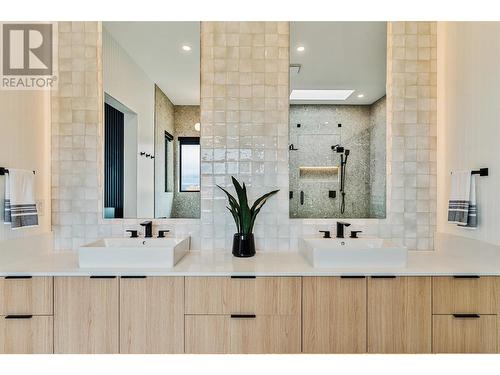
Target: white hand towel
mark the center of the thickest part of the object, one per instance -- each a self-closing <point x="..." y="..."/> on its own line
<point x="6" y="202"/>
<point x="458" y="206"/>
<point x="21" y="189"/>
<point x="472" y="212"/>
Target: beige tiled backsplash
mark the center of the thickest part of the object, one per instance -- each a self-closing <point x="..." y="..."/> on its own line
<point x="244" y="133"/>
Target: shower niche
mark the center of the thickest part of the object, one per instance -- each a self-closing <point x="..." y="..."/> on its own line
<point x="337" y="120"/>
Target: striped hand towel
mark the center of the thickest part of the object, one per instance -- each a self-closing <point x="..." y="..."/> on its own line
<point x="462" y="209"/>
<point x="20" y="207"/>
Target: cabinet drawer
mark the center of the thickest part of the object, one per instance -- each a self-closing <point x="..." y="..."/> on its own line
<point x="242" y="334"/>
<point x="266" y="334"/>
<point x="464" y="295"/>
<point x="226" y="295"/>
<point x="26" y="335"/>
<point x="464" y="335"/>
<point x="26" y="295"/>
<point x="207" y="334"/>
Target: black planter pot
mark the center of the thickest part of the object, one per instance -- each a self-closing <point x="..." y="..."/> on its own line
<point x="243" y="245"/>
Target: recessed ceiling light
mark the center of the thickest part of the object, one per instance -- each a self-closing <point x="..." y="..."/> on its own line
<point x="186" y="48"/>
<point x="197" y="126"/>
<point x="320" y="94"/>
<point x="301" y="49"/>
<point x="361" y="95"/>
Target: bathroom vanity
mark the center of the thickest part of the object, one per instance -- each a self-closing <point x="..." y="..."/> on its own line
<point x="446" y="301"/>
<point x="247" y="314"/>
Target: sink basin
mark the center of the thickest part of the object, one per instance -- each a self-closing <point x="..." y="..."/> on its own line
<point x="353" y="252"/>
<point x="133" y="253"/>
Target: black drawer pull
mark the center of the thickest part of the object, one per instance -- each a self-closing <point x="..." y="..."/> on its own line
<point x="17" y="277"/>
<point x="103" y="277"/>
<point x="243" y="316"/>
<point x="466" y="316"/>
<point x="352" y="277"/>
<point x="466" y="276"/>
<point x="383" y="277"/>
<point x="243" y="277"/>
<point x="133" y="277"/>
<point x="19" y="317"/>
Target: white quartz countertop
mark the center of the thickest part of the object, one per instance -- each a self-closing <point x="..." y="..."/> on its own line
<point x="453" y="256"/>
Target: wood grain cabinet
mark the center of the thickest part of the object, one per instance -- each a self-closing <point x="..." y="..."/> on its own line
<point x="26" y="322"/>
<point x="465" y="312"/>
<point x="265" y="334"/>
<point x="399" y="315"/>
<point x="334" y="315"/>
<point x="151" y="315"/>
<point x="207" y="334"/>
<point x="26" y="295"/>
<point x="242" y="334"/>
<point x="240" y="295"/>
<point x="26" y="334"/>
<point x="243" y="314"/>
<point x="464" y="294"/>
<point x="86" y="315"/>
<point x="464" y="333"/>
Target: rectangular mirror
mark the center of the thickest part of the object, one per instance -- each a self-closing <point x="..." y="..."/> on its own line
<point x="151" y="77"/>
<point x="337" y="129"/>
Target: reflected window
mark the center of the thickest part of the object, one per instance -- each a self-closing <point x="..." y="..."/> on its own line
<point x="168" y="139"/>
<point x="189" y="156"/>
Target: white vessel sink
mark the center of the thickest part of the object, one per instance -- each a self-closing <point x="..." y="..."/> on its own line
<point x="133" y="253"/>
<point x="353" y="252"/>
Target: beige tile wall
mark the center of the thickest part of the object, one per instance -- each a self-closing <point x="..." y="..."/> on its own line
<point x="76" y="120"/>
<point x="244" y="116"/>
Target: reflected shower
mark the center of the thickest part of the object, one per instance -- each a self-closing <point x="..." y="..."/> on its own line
<point x="344" y="153"/>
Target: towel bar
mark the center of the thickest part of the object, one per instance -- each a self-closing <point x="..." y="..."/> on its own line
<point x="482" y="172"/>
<point x="3" y="171"/>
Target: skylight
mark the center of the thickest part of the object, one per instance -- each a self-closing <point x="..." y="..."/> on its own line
<point x="320" y="94"/>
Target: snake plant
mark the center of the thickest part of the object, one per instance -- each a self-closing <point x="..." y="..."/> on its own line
<point x="243" y="215"/>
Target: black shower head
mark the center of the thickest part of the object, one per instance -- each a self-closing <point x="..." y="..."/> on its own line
<point x="347" y="152"/>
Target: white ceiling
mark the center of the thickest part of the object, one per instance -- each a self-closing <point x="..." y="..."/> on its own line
<point x="157" y="48"/>
<point x="340" y="55"/>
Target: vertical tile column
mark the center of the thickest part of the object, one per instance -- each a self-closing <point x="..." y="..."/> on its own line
<point x="76" y="113"/>
<point x="244" y="132"/>
<point x="411" y="115"/>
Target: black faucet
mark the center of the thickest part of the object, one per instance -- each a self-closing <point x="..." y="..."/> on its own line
<point x="148" y="225"/>
<point x="326" y="233"/>
<point x="340" y="228"/>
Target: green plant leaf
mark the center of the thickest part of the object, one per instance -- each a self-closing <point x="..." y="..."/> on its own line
<point x="258" y="204"/>
<point x="232" y="200"/>
<point x="244" y="212"/>
<point x="235" y="217"/>
<point x="234" y="209"/>
<point x="244" y="216"/>
<point x="262" y="200"/>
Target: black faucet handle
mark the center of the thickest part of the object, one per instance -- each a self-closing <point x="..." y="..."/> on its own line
<point x="133" y="233"/>
<point x="161" y="233"/>
<point x="354" y="233"/>
<point x="326" y="233"/>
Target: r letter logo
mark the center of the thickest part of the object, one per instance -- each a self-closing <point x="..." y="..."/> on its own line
<point x="27" y="49"/>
